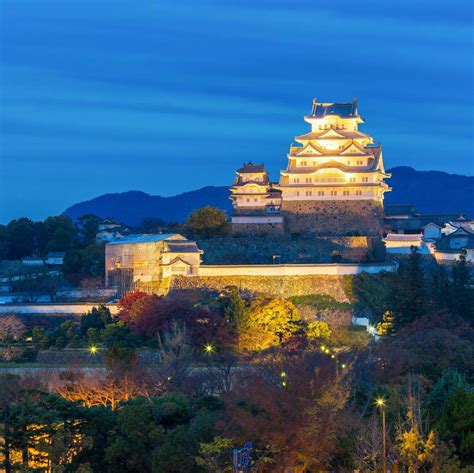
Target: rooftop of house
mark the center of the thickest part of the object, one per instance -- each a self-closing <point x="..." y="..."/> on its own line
<point x="403" y="237"/>
<point x="181" y="246"/>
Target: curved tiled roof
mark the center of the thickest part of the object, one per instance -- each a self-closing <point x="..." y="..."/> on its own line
<point x="343" y="110"/>
<point x="251" y="168"/>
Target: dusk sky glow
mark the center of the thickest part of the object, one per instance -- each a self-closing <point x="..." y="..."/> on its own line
<point x="101" y="96"/>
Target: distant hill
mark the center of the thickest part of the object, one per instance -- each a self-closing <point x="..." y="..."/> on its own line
<point x="429" y="191"/>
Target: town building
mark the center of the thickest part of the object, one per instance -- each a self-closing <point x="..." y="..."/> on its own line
<point x="333" y="182"/>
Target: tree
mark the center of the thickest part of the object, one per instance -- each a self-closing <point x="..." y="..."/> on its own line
<point x="293" y="409"/>
<point x="208" y="222"/>
<point x="457" y="424"/>
<point x="11" y="328"/>
<point x="385" y="327"/>
<point x="415" y="448"/>
<point x="84" y="263"/>
<point x="215" y="456"/>
<point x="60" y="234"/>
<point x="462" y="292"/>
<point x="268" y="322"/>
<point x="318" y="330"/>
<point x="88" y="225"/>
<point x="97" y="318"/>
<point x="21" y="238"/>
<point x="410" y="297"/>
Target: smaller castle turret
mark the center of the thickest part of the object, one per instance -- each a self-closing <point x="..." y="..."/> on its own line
<point x="252" y="192"/>
<point x="254" y="199"/>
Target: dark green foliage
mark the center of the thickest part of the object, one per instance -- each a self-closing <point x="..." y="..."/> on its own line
<point x="410" y="299"/>
<point x="450" y="382"/>
<point x="87" y="262"/>
<point x="374" y="292"/>
<point x="88" y="226"/>
<point x="97" y="318"/>
<point x="462" y="292"/>
<point x="208" y="222"/>
<point x="457" y="424"/>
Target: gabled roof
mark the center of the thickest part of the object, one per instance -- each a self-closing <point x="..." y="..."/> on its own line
<point x="343" y="110"/>
<point x="460" y="231"/>
<point x="182" y="247"/>
<point x="250" y="168"/>
<point x="432" y="224"/>
<point x="343" y="135"/>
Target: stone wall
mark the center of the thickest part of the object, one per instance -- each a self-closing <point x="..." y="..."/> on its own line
<point x="251" y="248"/>
<point x="333" y="217"/>
<point x="285" y="286"/>
<point x="258" y="228"/>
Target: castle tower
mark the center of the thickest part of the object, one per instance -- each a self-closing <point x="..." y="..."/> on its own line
<point x="334" y="181"/>
<point x="255" y="202"/>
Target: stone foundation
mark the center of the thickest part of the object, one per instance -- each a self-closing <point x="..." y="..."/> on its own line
<point x="285" y="286"/>
<point x="333" y="217"/>
<point x="257" y="228"/>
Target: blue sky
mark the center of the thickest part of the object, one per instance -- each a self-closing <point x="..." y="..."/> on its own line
<point x="102" y="96"/>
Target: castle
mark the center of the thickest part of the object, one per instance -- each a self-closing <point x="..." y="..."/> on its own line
<point x="333" y="183"/>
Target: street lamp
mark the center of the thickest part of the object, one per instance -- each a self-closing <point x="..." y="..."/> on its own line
<point x="381" y="404"/>
<point x="93" y="349"/>
<point x="209" y="348"/>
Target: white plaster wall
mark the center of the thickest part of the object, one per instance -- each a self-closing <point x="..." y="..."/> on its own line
<point x="294" y="269"/>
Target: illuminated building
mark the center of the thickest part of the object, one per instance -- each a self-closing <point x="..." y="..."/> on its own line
<point x="333" y="183"/>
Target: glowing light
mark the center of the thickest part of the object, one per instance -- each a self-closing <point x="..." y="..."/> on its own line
<point x="284" y="383"/>
<point x="209" y="348"/>
<point x="93" y="349"/>
<point x="333" y="356"/>
<point x="323" y="348"/>
<point x="380" y="402"/>
<point x="343" y="366"/>
<point x="283" y="374"/>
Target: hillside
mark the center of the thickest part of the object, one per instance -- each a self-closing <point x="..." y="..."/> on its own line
<point x="429" y="191"/>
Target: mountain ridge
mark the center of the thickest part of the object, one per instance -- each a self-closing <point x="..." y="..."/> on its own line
<point x="429" y="191"/>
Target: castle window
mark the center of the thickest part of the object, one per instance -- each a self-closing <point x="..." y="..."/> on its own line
<point x="321" y="193"/>
<point x="358" y="192"/>
<point x="365" y="179"/>
<point x="248" y="200"/>
<point x="352" y="179"/>
<point x="333" y="192"/>
<point x="297" y="193"/>
<point x="348" y="163"/>
<point x="308" y="180"/>
<point x="303" y="163"/>
<point x="309" y="193"/>
<point x="296" y="180"/>
<point x="255" y="200"/>
<point x="345" y="193"/>
<point x="360" y="163"/>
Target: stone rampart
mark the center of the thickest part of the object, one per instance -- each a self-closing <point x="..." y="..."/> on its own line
<point x="285" y="286"/>
<point x="333" y="217"/>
